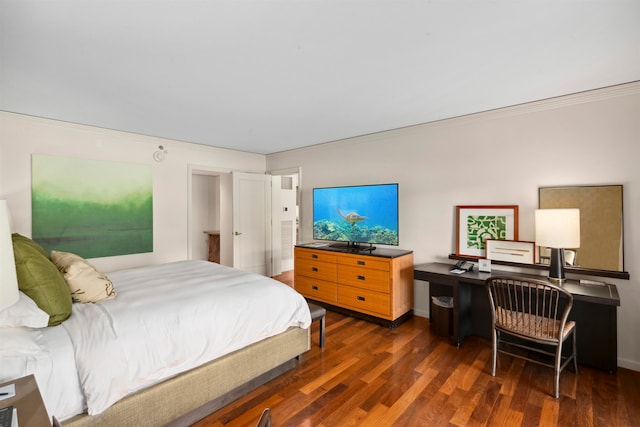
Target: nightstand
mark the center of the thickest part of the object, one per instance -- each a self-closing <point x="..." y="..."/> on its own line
<point x="28" y="402"/>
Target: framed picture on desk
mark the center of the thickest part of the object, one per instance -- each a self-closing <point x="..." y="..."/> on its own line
<point x="511" y="250"/>
<point x="476" y="224"/>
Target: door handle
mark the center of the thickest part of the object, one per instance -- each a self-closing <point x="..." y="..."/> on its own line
<point x="236" y="233"/>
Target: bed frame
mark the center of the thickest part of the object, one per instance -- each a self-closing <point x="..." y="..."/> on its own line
<point x="189" y="397"/>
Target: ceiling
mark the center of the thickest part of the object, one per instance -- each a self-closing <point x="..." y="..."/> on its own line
<point x="272" y="75"/>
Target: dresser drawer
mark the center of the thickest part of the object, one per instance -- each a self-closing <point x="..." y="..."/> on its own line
<point x="310" y="254"/>
<point x="316" y="289"/>
<point x="374" y="280"/>
<point x="364" y="300"/>
<point x="316" y="269"/>
<point x="366" y="262"/>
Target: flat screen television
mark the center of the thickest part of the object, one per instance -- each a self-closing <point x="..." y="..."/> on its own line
<point x="356" y="215"/>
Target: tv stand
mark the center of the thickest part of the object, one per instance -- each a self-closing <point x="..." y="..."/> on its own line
<point x="353" y="247"/>
<point x="376" y="286"/>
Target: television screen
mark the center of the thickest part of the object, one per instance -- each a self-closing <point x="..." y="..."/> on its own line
<point x="356" y="214"/>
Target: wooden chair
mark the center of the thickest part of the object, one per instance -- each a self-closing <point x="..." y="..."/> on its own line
<point x="265" y="418"/>
<point x="531" y="311"/>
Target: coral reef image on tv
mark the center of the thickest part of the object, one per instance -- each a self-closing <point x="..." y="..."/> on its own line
<point x="357" y="214"/>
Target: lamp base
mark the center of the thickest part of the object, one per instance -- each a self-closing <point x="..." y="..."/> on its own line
<point x="556" y="281"/>
<point x="556" y="266"/>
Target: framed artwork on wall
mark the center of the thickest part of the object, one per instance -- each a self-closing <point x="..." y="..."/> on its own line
<point x="92" y="208"/>
<point x="476" y="224"/>
<point x="601" y="222"/>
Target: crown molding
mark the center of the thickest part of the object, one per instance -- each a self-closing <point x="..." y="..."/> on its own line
<point x="594" y="95"/>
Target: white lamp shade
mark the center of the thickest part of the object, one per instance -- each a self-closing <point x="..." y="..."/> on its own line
<point x="8" y="279"/>
<point x="558" y="228"/>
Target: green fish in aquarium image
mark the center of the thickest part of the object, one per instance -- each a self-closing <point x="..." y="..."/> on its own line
<point x="351" y="217"/>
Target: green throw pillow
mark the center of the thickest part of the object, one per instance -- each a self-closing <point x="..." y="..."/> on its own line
<point x="25" y="241"/>
<point x="40" y="279"/>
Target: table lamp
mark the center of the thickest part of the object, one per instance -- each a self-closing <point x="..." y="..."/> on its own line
<point x="557" y="229"/>
<point x="8" y="278"/>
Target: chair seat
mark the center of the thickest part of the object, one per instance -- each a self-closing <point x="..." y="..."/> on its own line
<point x="316" y="311"/>
<point x="531" y="326"/>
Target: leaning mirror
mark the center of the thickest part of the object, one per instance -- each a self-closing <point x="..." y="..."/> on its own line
<point x="601" y="223"/>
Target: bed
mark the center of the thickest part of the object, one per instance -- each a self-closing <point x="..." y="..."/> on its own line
<point x="179" y="341"/>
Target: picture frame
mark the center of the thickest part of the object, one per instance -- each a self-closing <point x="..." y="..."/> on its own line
<point x="523" y="252"/>
<point x="477" y="223"/>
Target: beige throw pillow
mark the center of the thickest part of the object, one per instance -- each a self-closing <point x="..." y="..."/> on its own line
<point x="86" y="283"/>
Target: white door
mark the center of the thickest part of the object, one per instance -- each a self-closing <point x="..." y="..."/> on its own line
<point x="252" y="222"/>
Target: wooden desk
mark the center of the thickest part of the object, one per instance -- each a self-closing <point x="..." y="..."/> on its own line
<point x="594" y="310"/>
<point x="28" y="402"/>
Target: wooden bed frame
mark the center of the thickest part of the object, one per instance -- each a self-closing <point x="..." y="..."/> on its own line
<point x="190" y="396"/>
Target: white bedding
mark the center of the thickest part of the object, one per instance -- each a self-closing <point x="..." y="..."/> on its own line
<point x="165" y="320"/>
<point x="46" y="353"/>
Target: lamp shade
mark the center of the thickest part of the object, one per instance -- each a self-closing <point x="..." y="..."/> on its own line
<point x="558" y="228"/>
<point x="8" y="278"/>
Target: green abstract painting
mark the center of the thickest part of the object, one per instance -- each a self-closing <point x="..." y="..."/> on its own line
<point x="483" y="227"/>
<point x="92" y="208"/>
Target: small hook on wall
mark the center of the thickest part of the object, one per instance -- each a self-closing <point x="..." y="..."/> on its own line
<point x="161" y="154"/>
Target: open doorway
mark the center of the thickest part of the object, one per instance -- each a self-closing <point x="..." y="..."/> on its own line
<point x="288" y="215"/>
<point x="209" y="216"/>
<point x="205" y="192"/>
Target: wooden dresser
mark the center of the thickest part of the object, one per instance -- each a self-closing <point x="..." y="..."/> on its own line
<point x="375" y="285"/>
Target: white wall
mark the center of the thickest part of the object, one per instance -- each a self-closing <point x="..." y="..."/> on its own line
<point x="20" y="136"/>
<point x="494" y="158"/>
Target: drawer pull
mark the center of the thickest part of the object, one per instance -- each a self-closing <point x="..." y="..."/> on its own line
<point x="361" y="262"/>
<point x="314" y="256"/>
<point x="361" y="278"/>
<point x="314" y="268"/>
<point x="361" y="298"/>
<point x="314" y="287"/>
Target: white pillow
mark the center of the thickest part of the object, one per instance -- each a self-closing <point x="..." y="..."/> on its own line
<point x="25" y="312"/>
<point x="86" y="283"/>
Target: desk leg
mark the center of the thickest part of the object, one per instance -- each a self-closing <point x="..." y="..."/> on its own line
<point x="462" y="314"/>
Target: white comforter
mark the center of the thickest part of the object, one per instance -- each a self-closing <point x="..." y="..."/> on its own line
<point x="170" y="318"/>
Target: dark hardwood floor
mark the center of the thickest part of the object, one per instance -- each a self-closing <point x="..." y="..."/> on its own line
<point x="367" y="375"/>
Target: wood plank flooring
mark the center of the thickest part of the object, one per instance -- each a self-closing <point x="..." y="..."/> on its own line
<point x="367" y="375"/>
